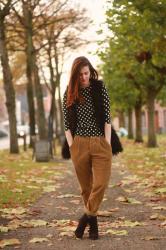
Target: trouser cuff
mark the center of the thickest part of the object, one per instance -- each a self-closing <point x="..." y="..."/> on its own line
<point x="89" y="212"/>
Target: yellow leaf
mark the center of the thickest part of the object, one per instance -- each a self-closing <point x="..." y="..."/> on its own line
<point x="129" y="223"/>
<point x="122" y="199"/>
<point x="160" y="190"/>
<point x="104" y="213"/>
<point x="133" y="201"/>
<point x="4" y="229"/>
<point x="9" y="242"/>
<point x="49" y="188"/>
<point x="119" y="232"/>
<point x="128" y="200"/>
<point x="70" y="234"/>
<point x="15" y="211"/>
<point x="34" y="223"/>
<point x="75" y="202"/>
<point x="67" y="196"/>
<point x="38" y="240"/>
<point x="159" y="208"/>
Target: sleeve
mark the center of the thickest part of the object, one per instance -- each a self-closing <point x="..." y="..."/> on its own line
<point x="106" y="104"/>
<point x="66" y="123"/>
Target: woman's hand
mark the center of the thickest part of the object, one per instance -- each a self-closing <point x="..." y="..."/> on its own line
<point x="108" y="141"/>
<point x="107" y="130"/>
<point x="69" y="137"/>
<point x="70" y="143"/>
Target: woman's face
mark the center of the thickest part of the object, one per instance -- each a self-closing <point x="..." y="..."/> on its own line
<point x="84" y="76"/>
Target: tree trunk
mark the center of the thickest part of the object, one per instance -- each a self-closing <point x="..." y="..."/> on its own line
<point x="121" y="119"/>
<point x="53" y="87"/>
<point x="9" y="90"/>
<point x="56" y="118"/>
<point x="130" y="124"/>
<point x="60" y="111"/>
<point x="152" y="141"/>
<point x="41" y="121"/>
<point x="29" y="50"/>
<point x="138" y="118"/>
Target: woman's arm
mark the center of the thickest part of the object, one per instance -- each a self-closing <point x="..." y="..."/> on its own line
<point x="69" y="137"/>
<point x="66" y="122"/>
<point x="107" y="130"/>
<point x="106" y="104"/>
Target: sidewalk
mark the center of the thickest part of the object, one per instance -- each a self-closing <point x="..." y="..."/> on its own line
<point x="128" y="213"/>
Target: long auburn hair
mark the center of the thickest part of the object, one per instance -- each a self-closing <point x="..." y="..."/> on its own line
<point x="73" y="93"/>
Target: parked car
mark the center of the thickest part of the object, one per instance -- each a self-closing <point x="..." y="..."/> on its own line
<point x="3" y="133"/>
<point x="22" y="130"/>
<point x="122" y="132"/>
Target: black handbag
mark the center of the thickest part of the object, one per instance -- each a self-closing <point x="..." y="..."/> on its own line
<point x="115" y="143"/>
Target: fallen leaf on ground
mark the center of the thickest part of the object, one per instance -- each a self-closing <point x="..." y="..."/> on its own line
<point x="4" y="229"/>
<point x="3" y="178"/>
<point x="14" y="224"/>
<point x="104" y="213"/>
<point x="157" y="216"/>
<point x="63" y="208"/>
<point x="152" y="238"/>
<point x="34" y="223"/>
<point x="32" y="187"/>
<point x="129" y="223"/>
<point x="128" y="200"/>
<point x="159" y="208"/>
<point x="13" y="211"/>
<point x="129" y="190"/>
<point x="120" y="232"/>
<point x="48" y="189"/>
<point x="126" y="223"/>
<point x="67" y="196"/>
<point x="37" y="240"/>
<point x="114" y="209"/>
<point x="163" y="224"/>
<point x="49" y="235"/>
<point x="34" y="211"/>
<point x="17" y="190"/>
<point x="160" y="190"/>
<point x="9" y="242"/>
<point x="75" y="202"/>
<point x="70" y="234"/>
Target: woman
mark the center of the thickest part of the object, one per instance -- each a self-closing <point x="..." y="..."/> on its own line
<point x="86" y="109"/>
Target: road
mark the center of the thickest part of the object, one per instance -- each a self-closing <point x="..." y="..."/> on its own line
<point x="4" y="142"/>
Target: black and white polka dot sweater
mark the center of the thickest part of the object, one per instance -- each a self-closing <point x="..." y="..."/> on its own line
<point x="86" y="119"/>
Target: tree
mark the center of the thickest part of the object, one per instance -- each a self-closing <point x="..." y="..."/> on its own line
<point x="7" y="76"/>
<point x="60" y="38"/>
<point x="41" y="25"/>
<point x="139" y="28"/>
<point x="122" y="93"/>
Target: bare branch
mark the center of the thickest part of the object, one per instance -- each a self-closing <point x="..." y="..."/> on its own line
<point x="6" y="9"/>
<point x="44" y="78"/>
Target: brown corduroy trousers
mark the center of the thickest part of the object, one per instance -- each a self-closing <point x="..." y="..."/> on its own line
<point x="92" y="159"/>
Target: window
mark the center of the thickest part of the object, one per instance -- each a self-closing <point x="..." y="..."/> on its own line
<point x="164" y="115"/>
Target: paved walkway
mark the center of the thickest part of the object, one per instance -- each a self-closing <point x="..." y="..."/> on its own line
<point x="61" y="209"/>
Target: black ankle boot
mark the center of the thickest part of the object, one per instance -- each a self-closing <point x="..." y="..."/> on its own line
<point x="83" y="221"/>
<point x="93" y="230"/>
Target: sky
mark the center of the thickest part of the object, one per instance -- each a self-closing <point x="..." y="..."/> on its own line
<point x="95" y="10"/>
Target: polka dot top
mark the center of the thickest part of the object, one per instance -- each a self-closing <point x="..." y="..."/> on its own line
<point x="86" y="121"/>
